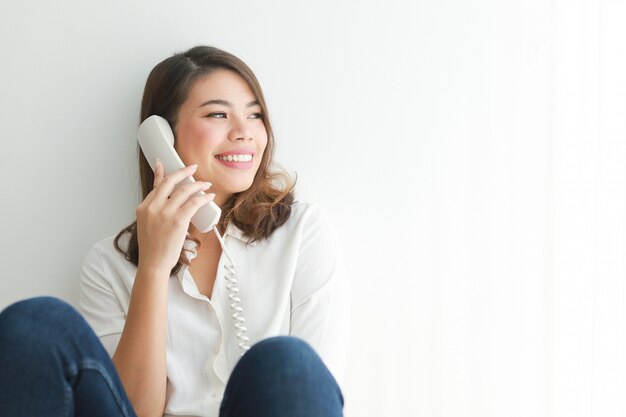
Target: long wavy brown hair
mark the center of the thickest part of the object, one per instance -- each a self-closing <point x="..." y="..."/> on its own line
<point x="257" y="211"/>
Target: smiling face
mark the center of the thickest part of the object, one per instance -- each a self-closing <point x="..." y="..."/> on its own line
<point x="221" y="116"/>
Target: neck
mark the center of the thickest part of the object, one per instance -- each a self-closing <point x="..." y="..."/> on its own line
<point x="208" y="237"/>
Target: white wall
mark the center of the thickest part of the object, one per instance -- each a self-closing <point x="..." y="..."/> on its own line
<point x="472" y="154"/>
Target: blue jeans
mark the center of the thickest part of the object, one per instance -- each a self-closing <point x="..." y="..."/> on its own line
<point x="53" y="364"/>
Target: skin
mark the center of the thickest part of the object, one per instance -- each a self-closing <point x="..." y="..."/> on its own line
<point x="204" y="131"/>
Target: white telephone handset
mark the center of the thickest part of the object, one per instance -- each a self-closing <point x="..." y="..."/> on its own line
<point x="156" y="139"/>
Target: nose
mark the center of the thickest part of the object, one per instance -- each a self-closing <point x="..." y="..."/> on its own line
<point x="240" y="130"/>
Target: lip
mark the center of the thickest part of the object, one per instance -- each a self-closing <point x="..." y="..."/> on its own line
<point x="236" y="165"/>
<point x="238" y="151"/>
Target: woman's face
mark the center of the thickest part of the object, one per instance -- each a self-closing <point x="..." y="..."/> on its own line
<point x="221" y="116"/>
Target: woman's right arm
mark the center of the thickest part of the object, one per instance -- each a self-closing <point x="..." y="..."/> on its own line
<point x="140" y="354"/>
<point x="162" y="225"/>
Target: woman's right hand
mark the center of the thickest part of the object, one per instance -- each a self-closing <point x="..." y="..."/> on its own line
<point x="163" y="218"/>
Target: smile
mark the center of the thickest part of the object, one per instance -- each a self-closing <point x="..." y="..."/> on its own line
<point x="236" y="158"/>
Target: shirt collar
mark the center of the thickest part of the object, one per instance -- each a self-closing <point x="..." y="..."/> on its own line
<point x="234" y="231"/>
<point x="231" y="230"/>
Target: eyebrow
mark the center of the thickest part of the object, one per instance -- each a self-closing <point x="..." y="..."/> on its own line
<point x="227" y="103"/>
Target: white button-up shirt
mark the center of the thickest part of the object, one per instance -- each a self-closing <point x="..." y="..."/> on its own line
<point x="293" y="283"/>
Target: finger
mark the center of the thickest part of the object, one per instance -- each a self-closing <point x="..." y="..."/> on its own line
<point x="184" y="193"/>
<point x="158" y="173"/>
<point x="158" y="177"/>
<point x="167" y="184"/>
<point x="192" y="205"/>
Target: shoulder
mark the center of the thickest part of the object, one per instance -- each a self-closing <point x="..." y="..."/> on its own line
<point x="104" y="259"/>
<point x="105" y="247"/>
<point x="304" y="211"/>
<point x="311" y="222"/>
<point x="305" y="219"/>
<point x="306" y="216"/>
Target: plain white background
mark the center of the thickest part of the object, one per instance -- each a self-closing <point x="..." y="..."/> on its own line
<point x="472" y="154"/>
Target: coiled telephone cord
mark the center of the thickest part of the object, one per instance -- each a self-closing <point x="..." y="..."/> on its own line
<point x="235" y="304"/>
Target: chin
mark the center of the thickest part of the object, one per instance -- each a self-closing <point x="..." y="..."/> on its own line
<point x="241" y="187"/>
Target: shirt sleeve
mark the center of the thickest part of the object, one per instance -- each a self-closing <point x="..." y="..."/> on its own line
<point x="99" y="303"/>
<point x="320" y="300"/>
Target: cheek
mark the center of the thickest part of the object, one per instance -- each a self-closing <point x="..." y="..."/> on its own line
<point x="262" y="135"/>
<point x="196" y="137"/>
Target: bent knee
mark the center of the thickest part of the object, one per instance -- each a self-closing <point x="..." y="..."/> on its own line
<point x="283" y="346"/>
<point x="31" y="317"/>
<point x="288" y="351"/>
<point x="283" y="361"/>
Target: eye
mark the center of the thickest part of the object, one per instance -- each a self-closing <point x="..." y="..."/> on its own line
<point x="257" y="116"/>
<point x="219" y="115"/>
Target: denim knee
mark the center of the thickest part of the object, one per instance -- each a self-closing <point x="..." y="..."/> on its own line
<point x="30" y="320"/>
<point x="284" y="344"/>
<point x="286" y="349"/>
<point x="283" y="358"/>
<point x="282" y="376"/>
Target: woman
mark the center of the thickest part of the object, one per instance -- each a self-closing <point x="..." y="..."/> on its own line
<point x="160" y="339"/>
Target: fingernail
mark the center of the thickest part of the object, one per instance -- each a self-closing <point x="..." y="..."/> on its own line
<point x="158" y="162"/>
<point x="193" y="167"/>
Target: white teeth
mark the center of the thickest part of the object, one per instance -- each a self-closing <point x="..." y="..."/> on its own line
<point x="236" y="158"/>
